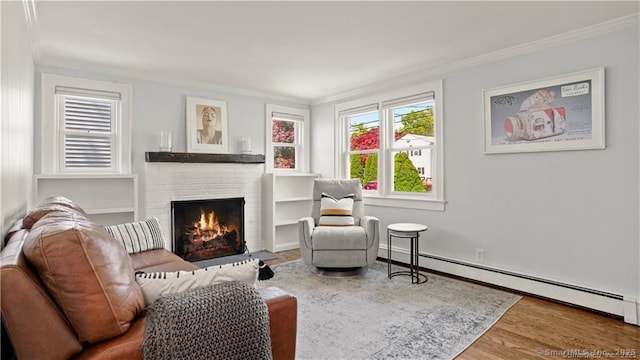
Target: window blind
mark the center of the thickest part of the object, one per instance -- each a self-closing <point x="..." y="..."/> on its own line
<point x="427" y="96"/>
<point x="87" y="152"/>
<point x="285" y="116"/>
<point x="358" y="110"/>
<point x="66" y="90"/>
<point x="88" y="131"/>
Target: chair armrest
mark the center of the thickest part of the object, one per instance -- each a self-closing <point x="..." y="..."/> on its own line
<point x="306" y="225"/>
<point x="371" y="225"/>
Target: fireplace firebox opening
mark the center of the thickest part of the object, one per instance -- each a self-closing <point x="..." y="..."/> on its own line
<point x="208" y="229"/>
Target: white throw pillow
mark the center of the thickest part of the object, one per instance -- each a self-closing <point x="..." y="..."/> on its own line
<point x="336" y="212"/>
<point x="157" y="284"/>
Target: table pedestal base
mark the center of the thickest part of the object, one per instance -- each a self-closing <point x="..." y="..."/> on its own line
<point x="414" y="269"/>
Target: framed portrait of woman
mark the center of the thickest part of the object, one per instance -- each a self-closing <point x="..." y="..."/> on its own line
<point x="207" y="125"/>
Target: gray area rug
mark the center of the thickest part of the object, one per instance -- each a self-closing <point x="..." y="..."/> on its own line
<point x="369" y="316"/>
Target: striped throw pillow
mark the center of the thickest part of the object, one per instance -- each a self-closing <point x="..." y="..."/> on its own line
<point x="336" y="212"/>
<point x="138" y="236"/>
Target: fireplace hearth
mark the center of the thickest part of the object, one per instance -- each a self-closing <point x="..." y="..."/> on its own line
<point x="208" y="228"/>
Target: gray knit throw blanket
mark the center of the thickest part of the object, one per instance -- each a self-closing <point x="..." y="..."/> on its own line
<point x="225" y="321"/>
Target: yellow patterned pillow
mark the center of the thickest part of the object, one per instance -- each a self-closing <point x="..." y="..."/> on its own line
<point x="336" y="212"/>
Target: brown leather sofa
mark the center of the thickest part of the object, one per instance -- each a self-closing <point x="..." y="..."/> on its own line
<point x="68" y="292"/>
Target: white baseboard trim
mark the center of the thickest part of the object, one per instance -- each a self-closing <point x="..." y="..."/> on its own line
<point x="287" y="246"/>
<point x="631" y="310"/>
<point x="627" y="307"/>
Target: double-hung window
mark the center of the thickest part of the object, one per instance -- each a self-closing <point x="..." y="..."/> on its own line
<point x="85" y="126"/>
<point x="287" y="139"/>
<point x="392" y="142"/>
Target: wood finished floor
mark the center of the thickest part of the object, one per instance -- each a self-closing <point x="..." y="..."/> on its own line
<point x="535" y="328"/>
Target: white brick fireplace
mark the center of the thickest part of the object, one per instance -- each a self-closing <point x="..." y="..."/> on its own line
<point x="163" y="182"/>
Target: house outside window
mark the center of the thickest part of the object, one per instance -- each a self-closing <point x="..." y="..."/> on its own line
<point x="85" y="126"/>
<point x="393" y="143"/>
<point x="287" y="139"/>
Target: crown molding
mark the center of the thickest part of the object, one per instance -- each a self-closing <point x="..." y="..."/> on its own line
<point x="170" y="80"/>
<point x="521" y="49"/>
<point x="29" y="8"/>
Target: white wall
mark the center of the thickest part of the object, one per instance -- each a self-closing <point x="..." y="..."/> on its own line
<point x="570" y="216"/>
<point x="322" y="140"/>
<point x="162" y="106"/>
<point x="16" y="129"/>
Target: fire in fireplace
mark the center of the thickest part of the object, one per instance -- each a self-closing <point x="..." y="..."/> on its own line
<point x="207" y="229"/>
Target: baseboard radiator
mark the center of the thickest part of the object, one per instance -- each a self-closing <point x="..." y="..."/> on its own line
<point x="601" y="301"/>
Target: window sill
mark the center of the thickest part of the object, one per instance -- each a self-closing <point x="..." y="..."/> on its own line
<point x="405" y="202"/>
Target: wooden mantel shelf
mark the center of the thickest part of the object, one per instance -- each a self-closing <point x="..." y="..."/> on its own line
<point x="203" y="158"/>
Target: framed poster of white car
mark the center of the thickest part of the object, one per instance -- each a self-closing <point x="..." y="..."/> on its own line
<point x="559" y="113"/>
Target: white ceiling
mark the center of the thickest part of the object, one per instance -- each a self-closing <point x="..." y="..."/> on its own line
<point x="306" y="50"/>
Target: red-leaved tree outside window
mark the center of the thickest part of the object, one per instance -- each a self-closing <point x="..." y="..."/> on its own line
<point x="284" y="140"/>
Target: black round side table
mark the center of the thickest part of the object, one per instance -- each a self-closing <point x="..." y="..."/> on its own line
<point x="406" y="231"/>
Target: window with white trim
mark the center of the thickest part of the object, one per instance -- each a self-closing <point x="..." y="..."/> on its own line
<point x="392" y="142"/>
<point x="287" y="139"/>
<point x="85" y="126"/>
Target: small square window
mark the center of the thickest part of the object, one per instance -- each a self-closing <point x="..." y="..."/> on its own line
<point x="287" y="139"/>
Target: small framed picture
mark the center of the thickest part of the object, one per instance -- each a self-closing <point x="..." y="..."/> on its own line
<point x="207" y="125"/>
<point x="559" y="113"/>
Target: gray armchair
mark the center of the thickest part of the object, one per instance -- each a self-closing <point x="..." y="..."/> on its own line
<point x="339" y="246"/>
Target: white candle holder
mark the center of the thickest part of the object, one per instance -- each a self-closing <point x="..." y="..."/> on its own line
<point x="245" y="145"/>
<point x="166" y="141"/>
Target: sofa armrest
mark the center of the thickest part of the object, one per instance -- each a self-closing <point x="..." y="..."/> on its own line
<point x="283" y="322"/>
<point x="33" y="321"/>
